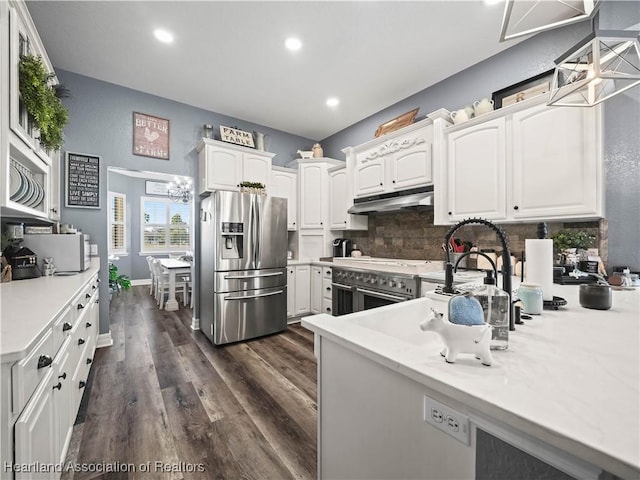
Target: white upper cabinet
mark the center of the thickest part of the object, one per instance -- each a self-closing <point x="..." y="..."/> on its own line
<point x="555" y="162"/>
<point x="284" y="183"/>
<point x="341" y="199"/>
<point x="525" y="162"/>
<point x="397" y="161"/>
<point x="27" y="171"/>
<point x="475" y="171"/>
<point x="313" y="175"/>
<point x="223" y="166"/>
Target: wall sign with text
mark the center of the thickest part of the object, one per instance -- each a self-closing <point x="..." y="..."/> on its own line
<point x="239" y="137"/>
<point x="82" y="180"/>
<point x="150" y="136"/>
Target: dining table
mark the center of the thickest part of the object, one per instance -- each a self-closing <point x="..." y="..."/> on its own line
<point x="174" y="267"/>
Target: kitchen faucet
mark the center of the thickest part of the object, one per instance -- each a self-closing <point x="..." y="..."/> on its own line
<point x="506" y="260"/>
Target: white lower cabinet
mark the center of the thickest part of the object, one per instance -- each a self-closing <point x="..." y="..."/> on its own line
<point x="316" y="289"/>
<point x="303" y="282"/>
<point x="327" y="289"/>
<point x="35" y="430"/>
<point x="291" y="291"/>
<point x="46" y="387"/>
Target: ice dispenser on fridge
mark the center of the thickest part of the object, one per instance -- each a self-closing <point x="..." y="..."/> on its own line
<point x="232" y="235"/>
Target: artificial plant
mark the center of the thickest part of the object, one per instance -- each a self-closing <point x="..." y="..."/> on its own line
<point x="116" y="281"/>
<point x="42" y="100"/>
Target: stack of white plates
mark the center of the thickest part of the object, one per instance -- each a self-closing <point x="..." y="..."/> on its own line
<point x="24" y="187"/>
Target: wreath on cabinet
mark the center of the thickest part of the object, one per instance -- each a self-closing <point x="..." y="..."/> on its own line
<point x="43" y="100"/>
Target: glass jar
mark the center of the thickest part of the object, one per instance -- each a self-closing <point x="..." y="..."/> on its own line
<point x="531" y="296"/>
<point x="495" y="305"/>
<point x="207" y="131"/>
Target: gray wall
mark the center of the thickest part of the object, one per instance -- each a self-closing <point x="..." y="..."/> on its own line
<point x="529" y="58"/>
<point x="100" y="123"/>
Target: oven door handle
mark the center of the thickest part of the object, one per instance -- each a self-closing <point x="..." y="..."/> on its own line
<point x="341" y="286"/>
<point x="380" y="294"/>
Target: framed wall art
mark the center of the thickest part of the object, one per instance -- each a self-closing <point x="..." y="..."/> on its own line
<point x="150" y="136"/>
<point x="529" y="88"/>
<point x="156" y="188"/>
<point x="82" y="180"/>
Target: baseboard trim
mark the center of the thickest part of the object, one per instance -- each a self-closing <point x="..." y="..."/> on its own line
<point x="141" y="281"/>
<point x="104" y="340"/>
<point x="195" y="323"/>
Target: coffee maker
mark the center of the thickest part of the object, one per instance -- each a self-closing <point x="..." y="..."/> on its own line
<point x="342" y="247"/>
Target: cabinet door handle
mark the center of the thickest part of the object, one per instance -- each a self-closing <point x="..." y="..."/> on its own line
<point x="63" y="376"/>
<point x="88" y="324"/>
<point x="393" y="181"/>
<point x="380" y="183"/>
<point x="93" y="287"/>
<point x="66" y="326"/>
<point x="89" y="360"/>
<point x="87" y="295"/>
<point x="328" y="289"/>
<point x="449" y="213"/>
<point x="328" y="309"/>
<point x="44" y="361"/>
<point x="80" y="306"/>
<point x="82" y="384"/>
<point x="516" y="207"/>
<point x="58" y="386"/>
<point x="80" y="341"/>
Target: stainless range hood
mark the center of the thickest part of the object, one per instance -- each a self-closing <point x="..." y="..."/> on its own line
<point x="416" y="198"/>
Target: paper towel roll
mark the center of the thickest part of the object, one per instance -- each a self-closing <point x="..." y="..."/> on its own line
<point x="539" y="255"/>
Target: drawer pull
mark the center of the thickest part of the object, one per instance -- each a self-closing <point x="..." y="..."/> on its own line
<point x="82" y="384"/>
<point x="89" y="360"/>
<point x="328" y="289"/>
<point x="93" y="287"/>
<point x="97" y="280"/>
<point x="80" y="341"/>
<point x="328" y="309"/>
<point x="44" y="361"/>
<point x="58" y="386"/>
<point x="87" y="295"/>
<point x="80" y="306"/>
<point x="66" y="326"/>
<point x="63" y="376"/>
<point x="88" y="324"/>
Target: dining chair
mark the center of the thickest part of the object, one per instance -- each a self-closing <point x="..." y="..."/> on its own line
<point x="151" y="275"/>
<point x="162" y="285"/>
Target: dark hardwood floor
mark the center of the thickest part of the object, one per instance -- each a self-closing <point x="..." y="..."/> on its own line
<point x="163" y="394"/>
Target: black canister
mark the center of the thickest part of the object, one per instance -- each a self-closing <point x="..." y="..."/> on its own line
<point x="595" y="296"/>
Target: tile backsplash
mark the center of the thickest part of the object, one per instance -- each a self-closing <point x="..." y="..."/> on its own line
<point x="412" y="235"/>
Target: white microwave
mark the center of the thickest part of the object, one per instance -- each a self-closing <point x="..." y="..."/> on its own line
<point x="70" y="252"/>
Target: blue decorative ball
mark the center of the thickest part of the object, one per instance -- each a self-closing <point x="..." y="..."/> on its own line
<point x="465" y="310"/>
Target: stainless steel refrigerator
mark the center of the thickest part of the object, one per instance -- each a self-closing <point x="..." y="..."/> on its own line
<point x="243" y="259"/>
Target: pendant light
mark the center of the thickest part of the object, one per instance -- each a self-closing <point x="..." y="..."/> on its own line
<point x="602" y="65"/>
<point x="526" y="17"/>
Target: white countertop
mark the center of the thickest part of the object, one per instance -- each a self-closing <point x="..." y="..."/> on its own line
<point x="29" y="306"/>
<point x="564" y="378"/>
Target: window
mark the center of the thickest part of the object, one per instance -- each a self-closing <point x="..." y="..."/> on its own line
<point x="166" y="225"/>
<point x="117" y="223"/>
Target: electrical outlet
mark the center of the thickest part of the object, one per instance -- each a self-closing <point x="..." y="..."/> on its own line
<point x="447" y="419"/>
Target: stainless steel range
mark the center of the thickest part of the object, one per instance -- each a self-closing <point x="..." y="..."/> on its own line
<point x="357" y="289"/>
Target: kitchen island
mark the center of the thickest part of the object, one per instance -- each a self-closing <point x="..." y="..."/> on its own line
<point x="565" y="394"/>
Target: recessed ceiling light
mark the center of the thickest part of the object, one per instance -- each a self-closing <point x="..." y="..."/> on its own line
<point x="332" y="102"/>
<point x="163" y="35"/>
<point x="293" y="44"/>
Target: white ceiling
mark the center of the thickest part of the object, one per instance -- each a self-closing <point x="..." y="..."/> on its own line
<point x="228" y="57"/>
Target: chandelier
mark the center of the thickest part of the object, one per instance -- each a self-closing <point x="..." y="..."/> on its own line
<point x="180" y="190"/>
